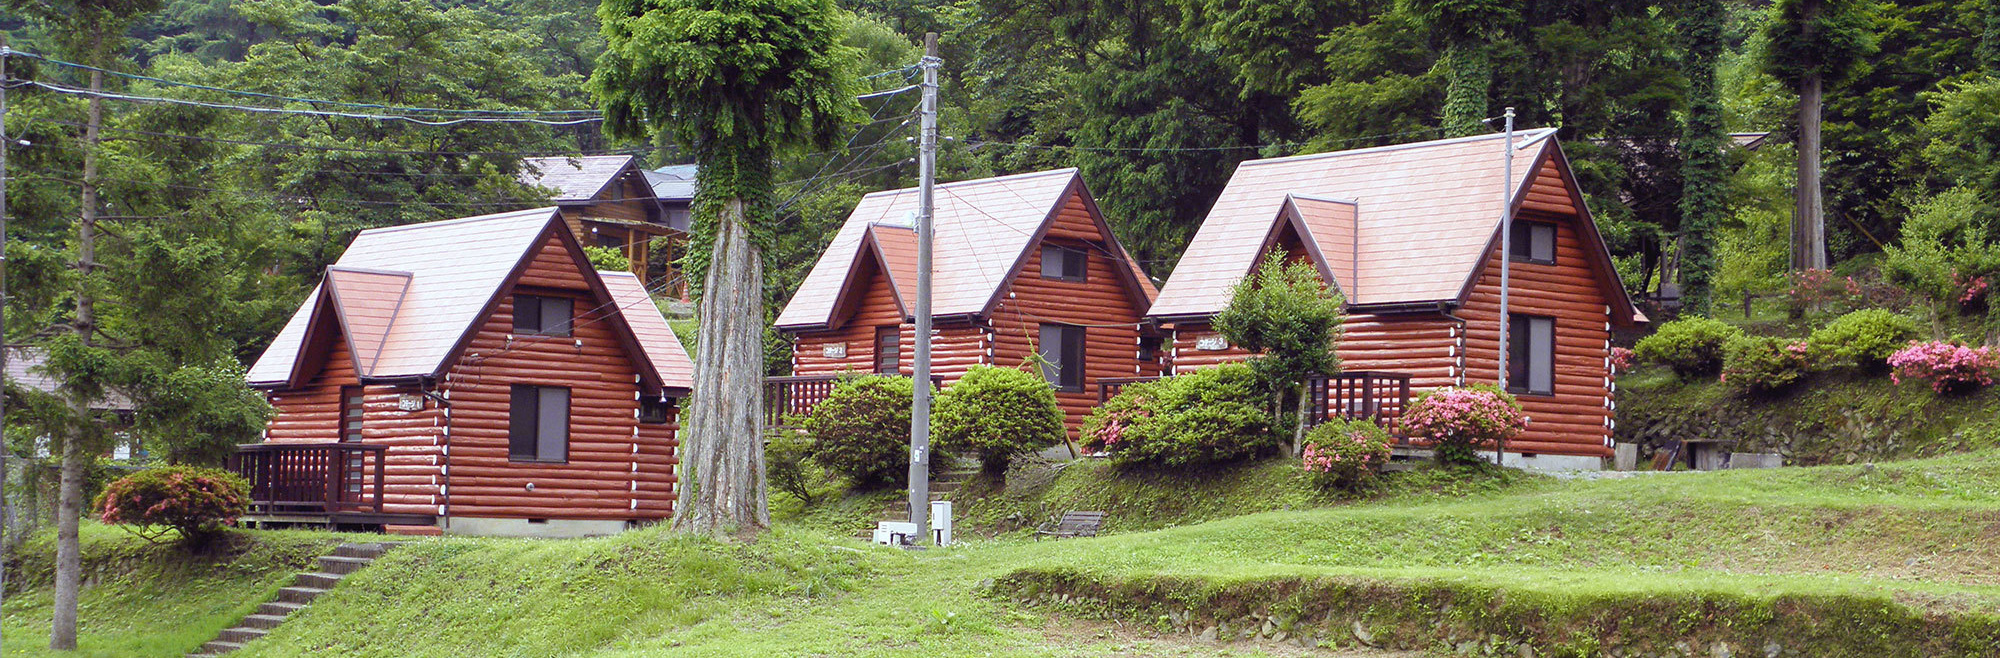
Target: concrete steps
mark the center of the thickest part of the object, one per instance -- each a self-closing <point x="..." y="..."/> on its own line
<point x="306" y="586"/>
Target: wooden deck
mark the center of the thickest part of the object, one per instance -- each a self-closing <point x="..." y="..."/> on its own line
<point x="788" y="398"/>
<point x="335" y="485"/>
<point x="1382" y="396"/>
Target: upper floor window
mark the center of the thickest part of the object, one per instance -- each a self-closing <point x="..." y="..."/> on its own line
<point x="542" y="315"/>
<point x="1534" y="242"/>
<point x="1064" y="263"/>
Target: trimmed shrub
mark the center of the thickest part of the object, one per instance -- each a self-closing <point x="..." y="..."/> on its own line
<point x="1342" y="454"/>
<point x="1208" y="416"/>
<point x="1692" y="347"/>
<point x="997" y="414"/>
<point x="786" y="465"/>
<point x="862" y="429"/>
<point x="1460" y="421"/>
<point x="1949" y="367"/>
<point x="1763" y="365"/>
<point x="195" y="502"/>
<point x="1864" y="339"/>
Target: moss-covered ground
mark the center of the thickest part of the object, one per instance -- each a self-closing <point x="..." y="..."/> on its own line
<point x="1889" y="559"/>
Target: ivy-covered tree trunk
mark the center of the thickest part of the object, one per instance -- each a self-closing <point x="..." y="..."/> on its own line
<point x="1469" y="77"/>
<point x="1703" y="171"/>
<point x="722" y="464"/>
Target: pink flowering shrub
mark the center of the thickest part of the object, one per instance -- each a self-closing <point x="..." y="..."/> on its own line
<point x="1971" y="290"/>
<point x="1761" y="364"/>
<point x="1947" y="366"/>
<point x="1345" y="453"/>
<point x="1622" y="359"/>
<point x="1463" y="420"/>
<point x="197" y="502"/>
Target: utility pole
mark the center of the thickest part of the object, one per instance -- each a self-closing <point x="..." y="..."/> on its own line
<point x="6" y="513"/>
<point x="1506" y="258"/>
<point x="920" y="374"/>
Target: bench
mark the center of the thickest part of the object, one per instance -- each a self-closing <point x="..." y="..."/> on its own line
<point x="1072" y="524"/>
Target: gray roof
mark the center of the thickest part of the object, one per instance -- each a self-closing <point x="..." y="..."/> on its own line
<point x="574" y="178"/>
<point x="24" y="367"/>
<point x="673" y="181"/>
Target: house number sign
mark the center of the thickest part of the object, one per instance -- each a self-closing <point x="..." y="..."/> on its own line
<point x="1211" y="343"/>
<point x="834" y="350"/>
<point x="409" y="402"/>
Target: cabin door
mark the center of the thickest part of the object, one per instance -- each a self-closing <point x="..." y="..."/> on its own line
<point x="351" y="415"/>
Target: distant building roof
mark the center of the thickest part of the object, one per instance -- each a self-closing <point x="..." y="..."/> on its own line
<point x="1749" y="140"/>
<point x="24" y="367"/>
<point x="575" y="178"/>
<point x="407" y="296"/>
<point x="673" y="182"/>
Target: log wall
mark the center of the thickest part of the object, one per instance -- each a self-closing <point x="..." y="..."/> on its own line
<point x="311" y="414"/>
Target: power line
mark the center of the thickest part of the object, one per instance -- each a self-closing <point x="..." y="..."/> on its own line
<point x="357" y="149"/>
<point x="73" y="91"/>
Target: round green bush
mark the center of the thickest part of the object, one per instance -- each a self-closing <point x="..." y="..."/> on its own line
<point x="1761" y="364"/>
<point x="862" y="429"/>
<point x="196" y="502"/>
<point x="997" y="414"/>
<point x="1691" y="347"/>
<point x="1342" y="454"/>
<point x="1862" y="339"/>
<point x="1210" y="416"/>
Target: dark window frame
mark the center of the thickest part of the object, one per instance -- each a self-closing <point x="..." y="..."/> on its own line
<point x="1064" y="367"/>
<point x="1523" y="242"/>
<point x="526" y="424"/>
<point x="350" y="408"/>
<point x="893" y="364"/>
<point x="531" y="314"/>
<point x="1521" y="362"/>
<point x="1073" y="263"/>
<point x="655" y="411"/>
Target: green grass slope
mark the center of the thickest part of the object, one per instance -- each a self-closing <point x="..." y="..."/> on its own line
<point x="1893" y="559"/>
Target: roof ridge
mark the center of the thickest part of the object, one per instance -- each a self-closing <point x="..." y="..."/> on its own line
<point x="1526" y="137"/>
<point x="978" y="181"/>
<point x="511" y="214"/>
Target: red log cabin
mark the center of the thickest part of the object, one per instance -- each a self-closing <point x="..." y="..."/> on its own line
<point x="1410" y="235"/>
<point x="470" y="376"/>
<point x="1022" y="263"/>
<point x="610" y="202"/>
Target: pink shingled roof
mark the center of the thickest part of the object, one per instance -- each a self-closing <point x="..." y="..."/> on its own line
<point x="1423" y="214"/>
<point x="982" y="232"/>
<point x="656" y="337"/>
<point x="453" y="271"/>
<point x="574" y="178"/>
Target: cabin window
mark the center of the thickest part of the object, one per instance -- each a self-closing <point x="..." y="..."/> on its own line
<point x="1531" y="354"/>
<point x="1061" y="350"/>
<point x="655" y="411"/>
<point x="540" y="315"/>
<point x="351" y="414"/>
<point x="1534" y="242"/>
<point x="888" y="350"/>
<point x="538" y="424"/>
<point x="1064" y="263"/>
<point x="1150" y="347"/>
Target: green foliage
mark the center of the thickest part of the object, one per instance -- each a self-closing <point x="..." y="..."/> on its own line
<point x="1964" y="133"/>
<point x="1704" y="170"/>
<point x="1290" y="318"/>
<point x="1946" y="244"/>
<point x="196" y="503"/>
<point x="1692" y="347"/>
<point x="997" y="414"/>
<point x="1209" y="416"/>
<point x="608" y="259"/>
<point x="1862" y="339"/>
<point x="1763" y="364"/>
<point x="1828" y="39"/>
<point x="788" y="462"/>
<point x="1345" y="454"/>
<point x="198" y="414"/>
<point x="862" y="429"/>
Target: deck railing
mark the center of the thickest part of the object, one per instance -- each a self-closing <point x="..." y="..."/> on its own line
<point x="1360" y="394"/>
<point x="786" y="398"/>
<point x="311" y="478"/>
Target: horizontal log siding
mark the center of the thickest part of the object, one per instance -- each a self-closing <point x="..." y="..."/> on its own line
<point x="1423" y="346"/>
<point x="1101" y="303"/>
<point x="311" y="414"/>
<point x="617" y="468"/>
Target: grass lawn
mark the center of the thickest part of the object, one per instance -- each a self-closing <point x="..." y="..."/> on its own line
<point x="1725" y="555"/>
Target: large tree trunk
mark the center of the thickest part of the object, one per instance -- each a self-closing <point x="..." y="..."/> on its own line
<point x="69" y="497"/>
<point x="1808" y="217"/>
<point x="722" y="456"/>
<point x="1299" y="428"/>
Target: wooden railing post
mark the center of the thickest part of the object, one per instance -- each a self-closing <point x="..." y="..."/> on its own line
<point x="333" y="480"/>
<point x="381" y="467"/>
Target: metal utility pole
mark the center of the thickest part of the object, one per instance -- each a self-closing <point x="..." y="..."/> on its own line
<point x="1506" y="257"/>
<point x="6" y="520"/>
<point x="920" y="374"/>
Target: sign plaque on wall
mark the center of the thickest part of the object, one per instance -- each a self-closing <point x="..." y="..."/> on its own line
<point x="409" y="402"/>
<point x="834" y="350"/>
<point x="1211" y="343"/>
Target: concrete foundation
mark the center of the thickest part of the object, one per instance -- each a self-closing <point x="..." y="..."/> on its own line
<point x="1549" y="462"/>
<point x="548" y="529"/>
<point x="1625" y="456"/>
<point x="1756" y="460"/>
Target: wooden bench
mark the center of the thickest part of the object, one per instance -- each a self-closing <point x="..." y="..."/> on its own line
<point x="1072" y="524"/>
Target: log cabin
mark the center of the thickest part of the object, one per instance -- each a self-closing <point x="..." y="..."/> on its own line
<point x="470" y="376"/>
<point x="1410" y="237"/>
<point x="1023" y="264"/>
<point x="610" y="202"/>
